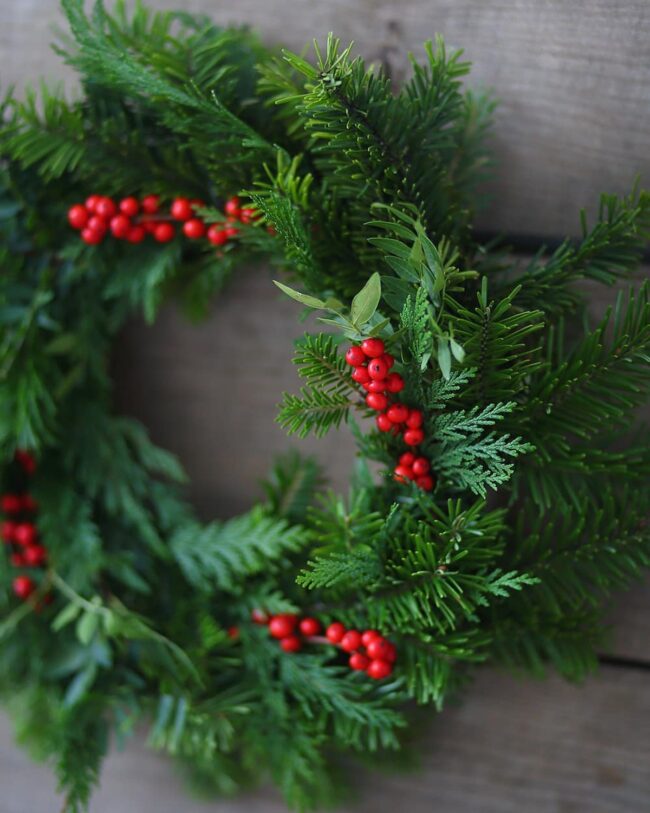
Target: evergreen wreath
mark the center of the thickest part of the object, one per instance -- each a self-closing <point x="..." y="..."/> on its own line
<point x="513" y="486"/>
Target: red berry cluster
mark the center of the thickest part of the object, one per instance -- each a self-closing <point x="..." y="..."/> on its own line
<point x="371" y="365"/>
<point x="132" y="219"/>
<point x="369" y="652"/>
<point x="19" y="531"/>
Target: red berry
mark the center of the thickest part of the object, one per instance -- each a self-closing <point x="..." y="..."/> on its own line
<point x="398" y="413"/>
<point x="11" y="503"/>
<point x="231" y="231"/>
<point x="415" y="419"/>
<point x="120" y="226"/>
<point x="216" y="235"/>
<point x="77" y="216"/>
<point x="259" y="617"/>
<point x="378" y="648"/>
<point x="247" y="215"/>
<point x="355" y="356"/>
<point x="136" y="234"/>
<point x="92" y="237"/>
<point x="23" y="586"/>
<point x="283" y="625"/>
<point x="233" y="633"/>
<point x="25" y="534"/>
<point x="351" y="641"/>
<point x="426" y="483"/>
<point x="377" y="401"/>
<point x="358" y="662"/>
<point x="34" y="555"/>
<point x="26" y="461"/>
<point x="98" y="224"/>
<point x="335" y="632"/>
<point x="379" y="669"/>
<point x="7" y="531"/>
<point x="384" y="423"/>
<point x="377" y="369"/>
<point x="407" y="459"/>
<point x="28" y="503"/>
<point x="291" y="643"/>
<point x="373" y="348"/>
<point x="421" y="466"/>
<point x="150" y="226"/>
<point x="391" y="653"/>
<point x="194" y="228"/>
<point x="388" y="360"/>
<point x="91" y="202"/>
<point x="164" y="232"/>
<point x="94" y="231"/>
<point x="413" y="436"/>
<point x="394" y="382"/>
<point x="232" y="207"/>
<point x="368" y="636"/>
<point x="150" y="204"/>
<point x="17" y="560"/>
<point x="129" y="207"/>
<point x="376" y="386"/>
<point x="105" y="208"/>
<point x="181" y="209"/>
<point x="403" y="473"/>
<point x="309" y="626"/>
<point x="360" y="375"/>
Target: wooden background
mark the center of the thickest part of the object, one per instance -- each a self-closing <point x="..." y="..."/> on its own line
<point x="574" y="84"/>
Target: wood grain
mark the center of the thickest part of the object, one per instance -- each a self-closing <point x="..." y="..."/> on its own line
<point x="572" y="79"/>
<point x="510" y="746"/>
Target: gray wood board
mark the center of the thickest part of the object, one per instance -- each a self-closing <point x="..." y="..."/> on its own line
<point x="573" y="80"/>
<point x="509" y="746"/>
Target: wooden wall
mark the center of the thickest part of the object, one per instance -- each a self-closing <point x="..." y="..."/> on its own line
<point x="574" y="120"/>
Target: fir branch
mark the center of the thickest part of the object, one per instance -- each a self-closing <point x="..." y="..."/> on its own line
<point x="292" y="486"/>
<point x="313" y="411"/>
<point x="225" y="554"/>
<point x="350" y="570"/>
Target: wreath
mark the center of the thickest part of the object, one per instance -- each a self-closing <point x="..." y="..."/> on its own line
<point x="512" y="484"/>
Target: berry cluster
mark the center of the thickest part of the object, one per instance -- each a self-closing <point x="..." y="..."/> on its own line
<point x="368" y="651"/>
<point x="19" y="531"/>
<point x="132" y="219"/>
<point x="371" y="365"/>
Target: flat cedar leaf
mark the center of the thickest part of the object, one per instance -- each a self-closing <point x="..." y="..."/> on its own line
<point x="304" y="299"/>
<point x="365" y="302"/>
<point x="444" y="357"/>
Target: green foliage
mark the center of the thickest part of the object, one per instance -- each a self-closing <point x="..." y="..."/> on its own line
<point x="365" y="197"/>
<point x="223" y="554"/>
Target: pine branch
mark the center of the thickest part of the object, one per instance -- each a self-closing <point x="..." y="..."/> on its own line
<point x="225" y="554"/>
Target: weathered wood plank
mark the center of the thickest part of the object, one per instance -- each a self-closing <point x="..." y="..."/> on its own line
<point x="541" y="747"/>
<point x="572" y="78"/>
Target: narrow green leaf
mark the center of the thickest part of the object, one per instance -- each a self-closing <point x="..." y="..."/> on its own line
<point x="304" y="299"/>
<point x="444" y="357"/>
<point x="366" y="301"/>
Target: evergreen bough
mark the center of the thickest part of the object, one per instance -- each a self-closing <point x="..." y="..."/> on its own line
<point x="368" y="194"/>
